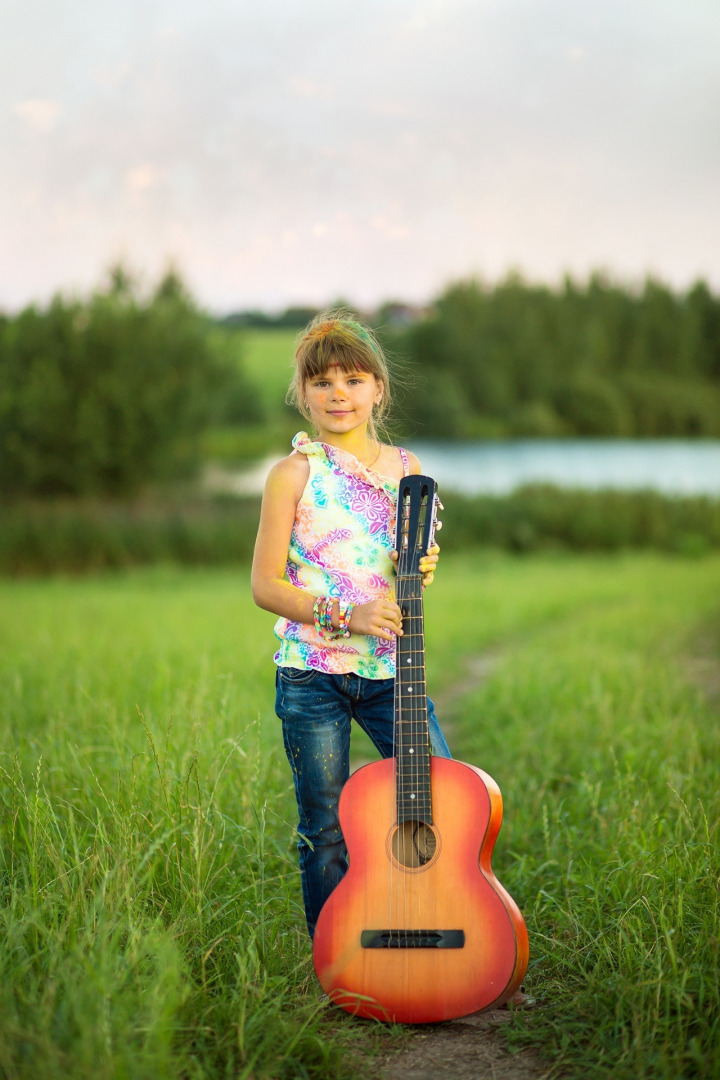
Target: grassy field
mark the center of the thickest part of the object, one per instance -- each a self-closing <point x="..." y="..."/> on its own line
<point x="268" y="358"/>
<point x="151" y="912"/>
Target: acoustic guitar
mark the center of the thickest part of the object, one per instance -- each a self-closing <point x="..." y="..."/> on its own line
<point x="419" y="930"/>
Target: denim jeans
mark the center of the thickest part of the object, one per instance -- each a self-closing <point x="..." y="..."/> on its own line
<point x="316" y="710"/>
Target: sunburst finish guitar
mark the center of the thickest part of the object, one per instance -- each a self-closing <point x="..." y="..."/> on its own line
<point x="419" y="930"/>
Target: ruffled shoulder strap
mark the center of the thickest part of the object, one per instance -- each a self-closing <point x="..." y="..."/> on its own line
<point x="303" y="444"/>
<point x="345" y="462"/>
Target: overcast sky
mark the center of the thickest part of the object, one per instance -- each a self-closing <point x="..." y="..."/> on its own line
<point x="310" y="149"/>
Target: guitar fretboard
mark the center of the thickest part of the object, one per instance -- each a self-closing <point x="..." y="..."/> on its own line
<point x="412" y="739"/>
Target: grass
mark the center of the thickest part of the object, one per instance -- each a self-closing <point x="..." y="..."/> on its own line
<point x="268" y="361"/>
<point x="607" y="759"/>
<point x="152" y="924"/>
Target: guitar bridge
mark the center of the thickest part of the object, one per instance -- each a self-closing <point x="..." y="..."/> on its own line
<point x="412" y="939"/>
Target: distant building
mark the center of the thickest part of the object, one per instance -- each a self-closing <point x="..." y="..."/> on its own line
<point x="398" y="315"/>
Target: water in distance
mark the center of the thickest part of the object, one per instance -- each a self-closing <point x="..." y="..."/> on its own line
<point x="673" y="466"/>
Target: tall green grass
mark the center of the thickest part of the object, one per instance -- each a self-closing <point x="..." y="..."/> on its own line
<point x="607" y="755"/>
<point x="149" y="929"/>
<point x="152" y="923"/>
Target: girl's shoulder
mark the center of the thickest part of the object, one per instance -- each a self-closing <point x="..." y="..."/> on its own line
<point x="414" y="466"/>
<point x="396" y="462"/>
<point x="289" y="476"/>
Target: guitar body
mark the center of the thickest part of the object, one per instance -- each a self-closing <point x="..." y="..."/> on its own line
<point x="460" y="943"/>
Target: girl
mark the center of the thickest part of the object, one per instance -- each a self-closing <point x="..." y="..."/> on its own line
<point x="324" y="564"/>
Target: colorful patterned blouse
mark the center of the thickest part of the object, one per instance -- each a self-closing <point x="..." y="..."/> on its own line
<point x="340" y="546"/>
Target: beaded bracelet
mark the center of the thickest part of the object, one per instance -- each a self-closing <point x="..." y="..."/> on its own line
<point x="322" y="617"/>
<point x="346" y="608"/>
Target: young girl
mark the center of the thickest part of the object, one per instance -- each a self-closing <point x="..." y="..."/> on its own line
<point x="324" y="563"/>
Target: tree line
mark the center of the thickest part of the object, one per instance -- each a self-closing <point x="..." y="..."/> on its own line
<point x="101" y="396"/>
<point x="516" y="359"/>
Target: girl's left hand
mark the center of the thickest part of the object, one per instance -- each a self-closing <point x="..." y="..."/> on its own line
<point x="427" y="565"/>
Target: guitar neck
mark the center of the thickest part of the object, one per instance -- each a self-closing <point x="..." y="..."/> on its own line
<point x="412" y="735"/>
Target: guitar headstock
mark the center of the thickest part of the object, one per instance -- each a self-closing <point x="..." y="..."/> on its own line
<point x="416" y="521"/>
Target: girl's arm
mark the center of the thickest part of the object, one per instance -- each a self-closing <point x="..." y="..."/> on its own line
<point x="283" y="488"/>
<point x="271" y="590"/>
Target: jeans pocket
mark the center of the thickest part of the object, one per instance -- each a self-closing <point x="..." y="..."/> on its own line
<point x="297" y="676"/>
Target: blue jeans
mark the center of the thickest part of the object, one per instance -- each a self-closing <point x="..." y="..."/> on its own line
<point x="316" y="710"/>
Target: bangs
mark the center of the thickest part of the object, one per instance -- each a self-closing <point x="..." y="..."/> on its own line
<point x="335" y="345"/>
<point x="313" y="366"/>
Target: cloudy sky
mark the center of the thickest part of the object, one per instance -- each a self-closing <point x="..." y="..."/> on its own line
<point x="304" y="150"/>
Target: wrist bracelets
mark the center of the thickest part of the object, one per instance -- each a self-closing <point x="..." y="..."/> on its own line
<point x="322" y="617"/>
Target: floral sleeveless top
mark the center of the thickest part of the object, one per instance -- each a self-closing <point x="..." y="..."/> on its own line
<point x="340" y="546"/>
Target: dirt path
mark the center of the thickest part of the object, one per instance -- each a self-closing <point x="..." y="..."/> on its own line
<point x="470" y="1048"/>
<point x="467" y="1049"/>
<point x="477" y="670"/>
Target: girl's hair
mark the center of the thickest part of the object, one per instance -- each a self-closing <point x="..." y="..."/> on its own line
<point x="336" y="337"/>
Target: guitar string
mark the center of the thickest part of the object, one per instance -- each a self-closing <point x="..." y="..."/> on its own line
<point x="418" y="845"/>
<point x="414" y="765"/>
<point x="403" y="714"/>
<point x="420" y="710"/>
<point x="423" y="764"/>
<point x="401" y="920"/>
<point x="415" y="836"/>
<point x="397" y="741"/>
<point x="416" y="716"/>
<point x="428" y="834"/>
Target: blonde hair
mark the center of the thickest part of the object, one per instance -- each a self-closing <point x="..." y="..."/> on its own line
<point x="337" y="337"/>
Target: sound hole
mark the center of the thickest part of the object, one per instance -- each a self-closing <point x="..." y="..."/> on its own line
<point x="413" y="844"/>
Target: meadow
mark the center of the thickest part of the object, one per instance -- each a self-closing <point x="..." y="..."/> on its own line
<point x="151" y="916"/>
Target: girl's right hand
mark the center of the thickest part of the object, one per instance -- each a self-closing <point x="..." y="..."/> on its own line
<point x="381" y="618"/>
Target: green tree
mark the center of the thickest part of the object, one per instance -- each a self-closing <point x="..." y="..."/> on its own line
<point x="105" y="395"/>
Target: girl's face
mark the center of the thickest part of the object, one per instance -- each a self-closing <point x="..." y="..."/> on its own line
<point x="341" y="401"/>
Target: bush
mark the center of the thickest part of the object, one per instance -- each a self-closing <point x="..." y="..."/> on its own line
<point x="667" y="406"/>
<point x="592" y="406"/>
<point x="100" y="397"/>
<point x="541" y="516"/>
<point x="41" y="538"/>
<point x="76" y="537"/>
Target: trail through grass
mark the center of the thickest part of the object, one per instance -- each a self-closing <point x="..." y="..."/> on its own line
<point x="152" y="924"/>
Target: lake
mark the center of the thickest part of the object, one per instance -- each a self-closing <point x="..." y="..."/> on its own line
<point x="674" y="466"/>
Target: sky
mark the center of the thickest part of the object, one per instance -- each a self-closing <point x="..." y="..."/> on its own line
<point x="306" y="150"/>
